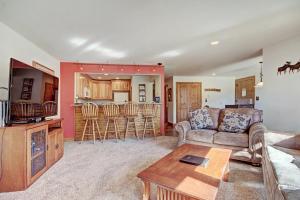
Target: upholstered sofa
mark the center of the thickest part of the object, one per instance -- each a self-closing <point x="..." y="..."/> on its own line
<point x="245" y="146"/>
<point x="281" y="162"/>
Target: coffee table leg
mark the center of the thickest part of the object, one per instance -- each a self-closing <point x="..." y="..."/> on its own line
<point x="226" y="174"/>
<point x="146" y="195"/>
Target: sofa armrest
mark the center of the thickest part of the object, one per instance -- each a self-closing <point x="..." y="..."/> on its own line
<point x="182" y="128"/>
<point x="282" y="139"/>
<point x="256" y="137"/>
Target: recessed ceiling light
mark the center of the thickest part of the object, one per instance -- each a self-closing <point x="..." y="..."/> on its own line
<point x="106" y="74"/>
<point x="78" y="41"/>
<point x="117" y="78"/>
<point x="92" y="47"/>
<point x="110" y="52"/>
<point x="214" y="43"/>
<point x="213" y="74"/>
<point x="170" y="54"/>
<point x="104" y="50"/>
<point x="99" y="77"/>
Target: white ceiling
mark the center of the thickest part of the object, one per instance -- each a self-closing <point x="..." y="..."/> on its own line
<point x="146" y="32"/>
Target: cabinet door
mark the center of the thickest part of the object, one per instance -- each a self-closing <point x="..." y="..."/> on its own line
<point x="51" y="148"/>
<point x="78" y="86"/>
<point x="83" y="87"/>
<point x="95" y="90"/>
<point x="105" y="91"/>
<point x="121" y="85"/>
<point x="115" y="85"/>
<point x="36" y="152"/>
<point x="60" y="144"/>
<point x="108" y="90"/>
<point x="126" y="85"/>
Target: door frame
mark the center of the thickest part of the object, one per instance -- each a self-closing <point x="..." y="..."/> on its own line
<point x="177" y="84"/>
<point x="166" y="103"/>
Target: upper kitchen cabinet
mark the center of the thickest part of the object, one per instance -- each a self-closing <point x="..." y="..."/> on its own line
<point x="83" y="86"/>
<point x="121" y="85"/>
<point x="102" y="90"/>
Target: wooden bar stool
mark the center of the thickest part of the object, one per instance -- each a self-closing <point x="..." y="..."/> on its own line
<point x="131" y="113"/>
<point x="90" y="113"/>
<point x="149" y="113"/>
<point x="112" y="113"/>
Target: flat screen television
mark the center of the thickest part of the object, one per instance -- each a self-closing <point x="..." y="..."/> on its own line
<point x="33" y="94"/>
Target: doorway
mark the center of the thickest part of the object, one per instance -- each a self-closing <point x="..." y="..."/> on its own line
<point x="245" y="90"/>
<point x="188" y="98"/>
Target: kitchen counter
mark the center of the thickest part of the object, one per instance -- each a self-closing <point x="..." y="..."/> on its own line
<point x="80" y="122"/>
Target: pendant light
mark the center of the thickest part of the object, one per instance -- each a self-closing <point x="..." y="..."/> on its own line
<point x="260" y="83"/>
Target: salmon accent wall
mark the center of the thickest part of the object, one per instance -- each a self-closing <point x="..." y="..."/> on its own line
<point x="67" y="86"/>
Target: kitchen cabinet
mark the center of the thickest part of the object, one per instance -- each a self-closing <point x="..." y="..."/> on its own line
<point x="121" y="85"/>
<point x="83" y="86"/>
<point x="102" y="90"/>
<point x="95" y="90"/>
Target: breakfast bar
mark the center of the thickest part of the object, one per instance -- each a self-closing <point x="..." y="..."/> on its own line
<point x="80" y="122"/>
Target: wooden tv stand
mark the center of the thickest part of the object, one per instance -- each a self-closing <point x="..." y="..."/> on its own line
<point x="27" y="151"/>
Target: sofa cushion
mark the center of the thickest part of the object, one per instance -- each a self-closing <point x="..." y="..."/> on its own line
<point x="235" y="122"/>
<point x="214" y="114"/>
<point x="295" y="153"/>
<point x="283" y="167"/>
<point x="200" y="119"/>
<point x="203" y="135"/>
<point x="256" y="115"/>
<point x="279" y="154"/>
<point x="232" y="139"/>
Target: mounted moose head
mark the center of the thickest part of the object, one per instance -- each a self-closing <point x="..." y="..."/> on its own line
<point x="295" y="67"/>
<point x="283" y="68"/>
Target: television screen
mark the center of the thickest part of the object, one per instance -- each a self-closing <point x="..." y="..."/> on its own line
<point x="33" y="94"/>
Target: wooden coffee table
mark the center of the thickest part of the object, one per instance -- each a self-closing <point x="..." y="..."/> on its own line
<point x="176" y="180"/>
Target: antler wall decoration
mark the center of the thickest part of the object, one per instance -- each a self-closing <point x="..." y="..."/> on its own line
<point x="287" y="66"/>
<point x="295" y="67"/>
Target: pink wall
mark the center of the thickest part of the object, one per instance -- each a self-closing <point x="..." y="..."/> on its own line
<point x="67" y="84"/>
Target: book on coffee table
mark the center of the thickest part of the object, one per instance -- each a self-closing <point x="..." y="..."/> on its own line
<point x="194" y="160"/>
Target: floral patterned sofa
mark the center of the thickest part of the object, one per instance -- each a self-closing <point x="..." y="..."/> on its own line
<point x="246" y="146"/>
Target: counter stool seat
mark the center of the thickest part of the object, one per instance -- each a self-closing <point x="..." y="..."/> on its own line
<point x="149" y="114"/>
<point x="131" y="113"/>
<point x="112" y="114"/>
<point x="90" y="113"/>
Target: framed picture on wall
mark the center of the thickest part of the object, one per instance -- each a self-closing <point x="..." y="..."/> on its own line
<point x="142" y="92"/>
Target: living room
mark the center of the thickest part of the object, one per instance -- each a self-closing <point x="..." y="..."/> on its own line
<point x="149" y="100"/>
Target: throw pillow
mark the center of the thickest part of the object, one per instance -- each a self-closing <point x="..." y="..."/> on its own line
<point x="200" y="119"/>
<point x="235" y="122"/>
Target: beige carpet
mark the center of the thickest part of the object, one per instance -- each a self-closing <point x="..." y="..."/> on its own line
<point x="107" y="171"/>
